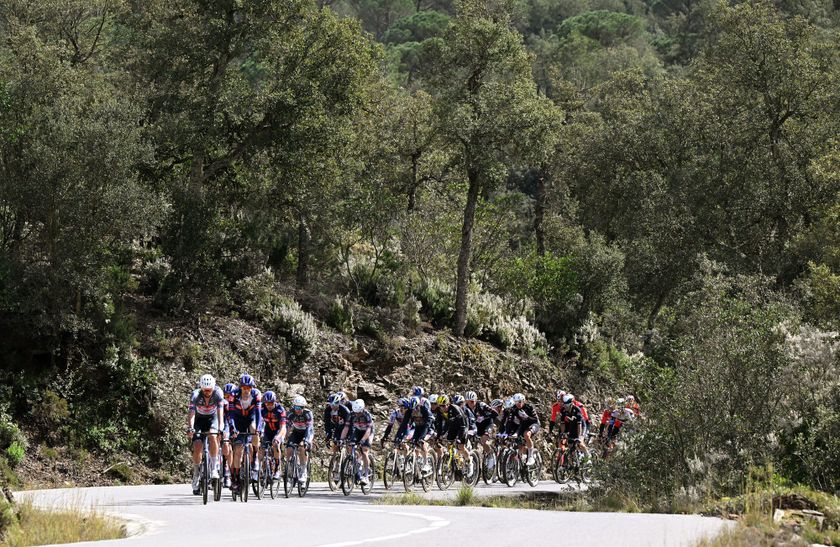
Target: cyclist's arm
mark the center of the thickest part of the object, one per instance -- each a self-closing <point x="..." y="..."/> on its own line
<point x="310" y="429"/>
<point x="403" y="429"/>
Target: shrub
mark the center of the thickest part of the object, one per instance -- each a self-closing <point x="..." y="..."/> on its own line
<point x="438" y="302"/>
<point x="15" y="453"/>
<point x="340" y="316"/>
<point x="51" y="414"/>
<point x="411" y="313"/>
<point x="9" y="432"/>
<point x="280" y="315"/>
<point x="517" y="334"/>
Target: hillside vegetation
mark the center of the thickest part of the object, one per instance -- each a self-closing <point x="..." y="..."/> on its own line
<point x="614" y="197"/>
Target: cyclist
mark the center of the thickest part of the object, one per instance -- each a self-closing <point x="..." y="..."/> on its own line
<point x="634" y="406"/>
<point x="528" y="423"/>
<point x="571" y="423"/>
<point x="206" y="415"/>
<point x="274" y="428"/>
<point x="556" y="409"/>
<point x="440" y="412"/>
<point x="396" y="416"/>
<point x="229" y="391"/>
<point x="456" y="429"/>
<point x="245" y="416"/>
<point x="336" y="415"/>
<point x="300" y="434"/>
<point x="361" y="422"/>
<point x="605" y="417"/>
<point x="419" y="415"/>
<point x="484" y="416"/>
<point x="621" y="415"/>
<point x="586" y="423"/>
<point x="471" y="423"/>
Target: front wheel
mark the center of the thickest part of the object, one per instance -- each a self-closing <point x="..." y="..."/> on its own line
<point x="471" y="479"/>
<point x="334" y="472"/>
<point x="245" y="477"/>
<point x="534" y="472"/>
<point x="289" y="476"/>
<point x="366" y="488"/>
<point x="512" y="468"/>
<point x="205" y="479"/>
<point x="559" y="469"/>
<point x="348" y="479"/>
<point x="409" y="468"/>
<point x="303" y="486"/>
<point x="488" y="468"/>
<point x="389" y="470"/>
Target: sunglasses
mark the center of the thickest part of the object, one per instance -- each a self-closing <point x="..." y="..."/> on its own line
<point x="297" y="407"/>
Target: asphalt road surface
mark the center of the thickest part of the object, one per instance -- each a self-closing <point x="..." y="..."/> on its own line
<point x="170" y="515"/>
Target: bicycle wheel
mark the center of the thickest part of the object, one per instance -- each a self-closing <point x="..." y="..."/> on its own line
<point x="348" y="475"/>
<point x="205" y="477"/>
<point x="534" y="472"/>
<point x="289" y="474"/>
<point x="445" y="475"/>
<point x="488" y="467"/>
<point x="217" y="485"/>
<point x="389" y="470"/>
<point x="472" y="479"/>
<point x="258" y="487"/>
<point x="303" y="486"/>
<point x="366" y="488"/>
<point x="409" y="468"/>
<point x="245" y="477"/>
<point x="334" y="471"/>
<point x="426" y="478"/>
<point x="512" y="468"/>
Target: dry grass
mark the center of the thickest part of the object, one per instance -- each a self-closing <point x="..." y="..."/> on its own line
<point x="63" y="525"/>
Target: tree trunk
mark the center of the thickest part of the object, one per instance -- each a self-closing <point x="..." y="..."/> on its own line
<point x="304" y="238"/>
<point x="463" y="283"/>
<point x="539" y="214"/>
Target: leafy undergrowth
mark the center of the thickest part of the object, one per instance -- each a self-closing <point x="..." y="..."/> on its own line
<point x="65" y="525"/>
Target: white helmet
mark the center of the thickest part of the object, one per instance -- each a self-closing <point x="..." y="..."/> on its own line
<point x="358" y="405"/>
<point x="631" y="399"/>
<point x="518" y="398"/>
<point x="509" y="403"/>
<point x="207" y="382"/>
<point x="568" y="399"/>
<point x="471" y="396"/>
<point x="298" y="401"/>
<point x="620" y="402"/>
<point x="433" y="398"/>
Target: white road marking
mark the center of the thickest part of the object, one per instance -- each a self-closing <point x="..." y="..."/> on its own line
<point x="432" y="523"/>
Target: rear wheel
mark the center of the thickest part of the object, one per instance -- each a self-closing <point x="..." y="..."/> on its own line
<point x="472" y="479"/>
<point x="303" y="486"/>
<point x="366" y="488"/>
<point x="262" y="478"/>
<point x="426" y="478"/>
<point x="445" y="475"/>
<point x="559" y="469"/>
<point x="488" y="467"/>
<point x="289" y="475"/>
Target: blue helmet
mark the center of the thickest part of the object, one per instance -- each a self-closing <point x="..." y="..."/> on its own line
<point x="414" y="402"/>
<point x="246" y="380"/>
<point x="269" y="397"/>
<point x="230" y="389"/>
<point x="404" y="402"/>
<point x="335" y="399"/>
<point x="417" y="391"/>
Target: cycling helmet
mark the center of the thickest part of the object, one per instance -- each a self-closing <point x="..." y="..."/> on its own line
<point x="335" y="399"/>
<point x="433" y="399"/>
<point x="207" y="382"/>
<point x="560" y="394"/>
<point x="495" y="403"/>
<point x="341" y="396"/>
<point x="404" y="402"/>
<point x="471" y="396"/>
<point x="358" y="405"/>
<point x="269" y="397"/>
<point x="631" y="399"/>
<point x="246" y="380"/>
<point x="229" y="389"/>
<point x="620" y="402"/>
<point x="458" y="399"/>
<point x="567" y="400"/>
<point x="414" y="402"/>
<point x="417" y="391"/>
<point x="518" y="398"/>
<point x="443" y="400"/>
<point x="570" y="395"/>
<point x="509" y="403"/>
<point x="299" y="401"/>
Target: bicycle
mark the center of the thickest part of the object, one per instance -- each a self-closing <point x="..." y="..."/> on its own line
<point x="393" y="468"/>
<point x="452" y="466"/>
<point x="571" y="462"/>
<point x="268" y="467"/>
<point x="351" y="470"/>
<point x="204" y="469"/>
<point x="291" y="474"/>
<point x="491" y="462"/>
<point x="413" y="472"/>
<point x="515" y="469"/>
<point x="243" y="480"/>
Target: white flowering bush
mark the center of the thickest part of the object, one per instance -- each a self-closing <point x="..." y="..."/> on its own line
<point x="279" y="314"/>
<point x="517" y="334"/>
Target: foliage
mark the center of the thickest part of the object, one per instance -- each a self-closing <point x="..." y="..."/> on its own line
<point x="61" y="525"/>
<point x="341" y="316"/>
<point x="15" y="453"/>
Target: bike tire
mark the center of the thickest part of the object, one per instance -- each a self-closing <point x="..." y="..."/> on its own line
<point x="289" y="471"/>
<point x="409" y="468"/>
<point x="472" y="480"/>
<point x="205" y="479"/>
<point x="488" y="473"/>
<point x="534" y="472"/>
<point x="426" y="479"/>
<point x="334" y="472"/>
<point x="348" y="478"/>
<point x="245" y="477"/>
<point x="303" y="487"/>
<point x="445" y="476"/>
<point x="366" y="488"/>
<point x="258" y="487"/>
<point x="512" y="468"/>
<point x="389" y="470"/>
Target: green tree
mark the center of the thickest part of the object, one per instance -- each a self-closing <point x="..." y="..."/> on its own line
<point x="488" y="111"/>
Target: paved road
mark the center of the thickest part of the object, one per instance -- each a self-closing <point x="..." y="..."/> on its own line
<point x="167" y="515"/>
